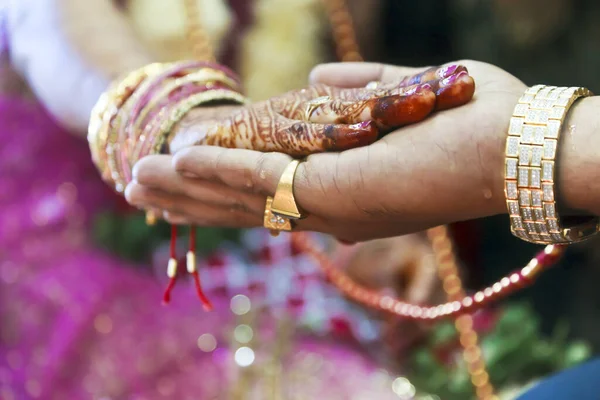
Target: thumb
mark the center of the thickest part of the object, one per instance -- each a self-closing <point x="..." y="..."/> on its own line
<point x="357" y="74"/>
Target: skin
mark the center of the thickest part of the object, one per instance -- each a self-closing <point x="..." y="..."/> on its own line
<point x="445" y="169"/>
<point x="380" y="190"/>
<point x="50" y="47"/>
<point x="49" y="44"/>
<point x="327" y="118"/>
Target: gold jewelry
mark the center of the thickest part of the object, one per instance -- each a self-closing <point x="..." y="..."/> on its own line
<point x="205" y="76"/>
<point x="150" y="218"/>
<point x="274" y="222"/>
<point x="102" y="133"/>
<point x="313" y="104"/>
<point x="531" y="146"/>
<point x="182" y="108"/>
<point x="281" y="209"/>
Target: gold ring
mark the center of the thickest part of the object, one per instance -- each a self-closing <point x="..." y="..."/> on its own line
<point x="313" y="104"/>
<point x="281" y="209"/>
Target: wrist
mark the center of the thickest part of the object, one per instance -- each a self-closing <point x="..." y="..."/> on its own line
<point x="578" y="157"/>
<point x="493" y="146"/>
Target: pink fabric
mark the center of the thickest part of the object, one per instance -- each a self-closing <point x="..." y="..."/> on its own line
<point x="77" y="323"/>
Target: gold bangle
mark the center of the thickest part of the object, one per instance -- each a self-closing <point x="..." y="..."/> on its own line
<point x="180" y="109"/>
<point x="101" y="135"/>
<point x="203" y="76"/>
<point x="531" y="145"/>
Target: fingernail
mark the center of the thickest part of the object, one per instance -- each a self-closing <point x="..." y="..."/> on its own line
<point x="410" y="91"/>
<point x="128" y="190"/>
<point x="447" y="71"/>
<point x="362" y="125"/>
<point x="189" y="174"/>
<point x="423" y="87"/>
<point x="452" y="79"/>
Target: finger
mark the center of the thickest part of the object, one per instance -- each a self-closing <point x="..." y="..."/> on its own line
<point x="399" y="106"/>
<point x="157" y="172"/>
<point x="433" y="74"/>
<point x="262" y="128"/>
<point x="324" y="186"/>
<point x="392" y="86"/>
<point x="391" y="111"/>
<point x="454" y="91"/>
<point x="299" y="138"/>
<point x="176" y="219"/>
<point x="240" y="169"/>
<point x="248" y="170"/>
<point x="183" y="209"/>
<point x="353" y="75"/>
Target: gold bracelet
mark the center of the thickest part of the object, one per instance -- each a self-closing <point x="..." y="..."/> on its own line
<point x="202" y="76"/>
<point x="179" y="110"/>
<point x="101" y="132"/>
<point x="531" y="146"/>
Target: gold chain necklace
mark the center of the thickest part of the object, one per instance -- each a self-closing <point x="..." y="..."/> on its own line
<point x="347" y="49"/>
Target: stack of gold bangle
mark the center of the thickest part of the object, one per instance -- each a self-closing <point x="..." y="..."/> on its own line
<point x="530" y="176"/>
<point x="136" y="115"/>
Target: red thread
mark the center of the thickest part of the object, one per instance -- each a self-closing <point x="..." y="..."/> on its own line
<point x="206" y="304"/>
<point x="173" y="241"/>
<point x="173" y="255"/>
<point x="167" y="294"/>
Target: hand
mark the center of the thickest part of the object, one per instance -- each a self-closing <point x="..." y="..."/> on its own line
<point x="444" y="169"/>
<point x="326" y="118"/>
<point x="403" y="266"/>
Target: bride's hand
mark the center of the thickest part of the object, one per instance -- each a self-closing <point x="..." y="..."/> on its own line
<point x="443" y="169"/>
<point x="327" y="118"/>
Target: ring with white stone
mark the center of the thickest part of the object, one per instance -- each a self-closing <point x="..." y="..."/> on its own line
<point x="273" y="222"/>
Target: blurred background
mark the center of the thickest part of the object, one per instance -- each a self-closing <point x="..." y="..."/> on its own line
<point x="538" y="41"/>
<point x="77" y="265"/>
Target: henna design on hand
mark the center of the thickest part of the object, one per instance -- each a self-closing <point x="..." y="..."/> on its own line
<point x="323" y="118"/>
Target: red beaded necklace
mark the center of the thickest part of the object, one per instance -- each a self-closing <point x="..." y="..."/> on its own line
<point x="443" y="250"/>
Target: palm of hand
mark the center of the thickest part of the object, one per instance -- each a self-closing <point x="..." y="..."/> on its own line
<point x="451" y="163"/>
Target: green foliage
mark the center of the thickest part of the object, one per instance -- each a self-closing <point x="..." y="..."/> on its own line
<point x="515" y="352"/>
<point x="129" y="237"/>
